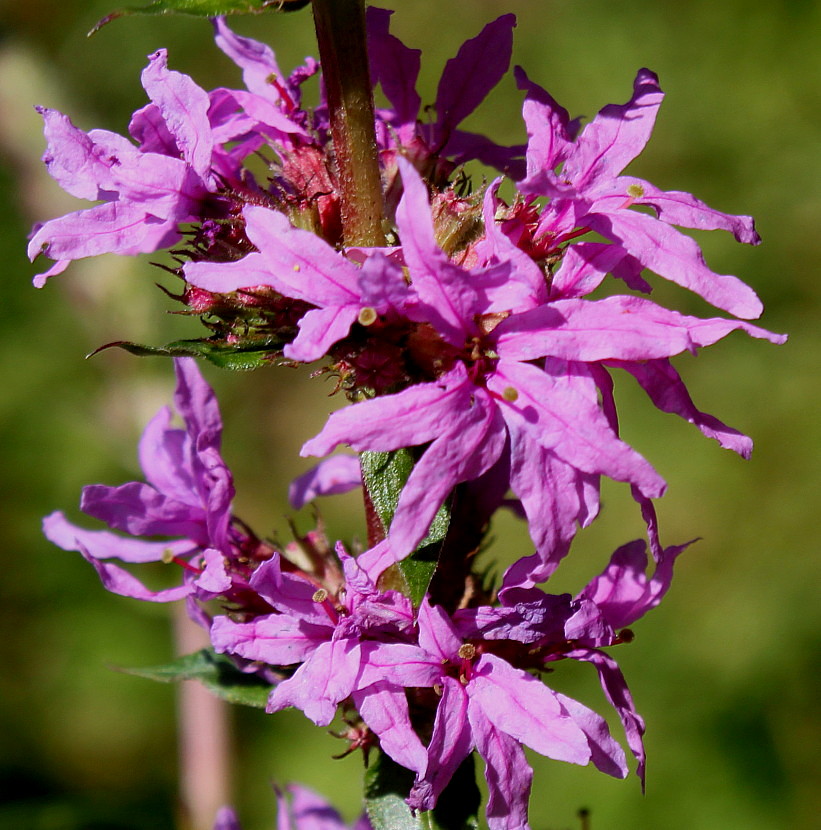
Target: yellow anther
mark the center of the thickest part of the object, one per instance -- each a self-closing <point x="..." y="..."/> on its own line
<point x="467" y="651"/>
<point x="320" y="595"/>
<point x="510" y="394"/>
<point x="367" y="316"/>
<point x="167" y="556"/>
<point x="297" y="267"/>
<point x="635" y="191"/>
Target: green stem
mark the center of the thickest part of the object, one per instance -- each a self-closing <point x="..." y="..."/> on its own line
<point x="340" y="32"/>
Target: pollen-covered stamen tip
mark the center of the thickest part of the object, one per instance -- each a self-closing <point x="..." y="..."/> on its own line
<point x="634" y="191"/>
<point x="467" y="651"/>
<point x="320" y="596"/>
<point x="367" y="316"/>
<point x="510" y="394"/>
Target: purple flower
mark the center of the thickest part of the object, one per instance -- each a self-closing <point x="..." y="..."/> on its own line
<point x="145" y="194"/>
<point x="438" y="147"/>
<point x="523" y="384"/>
<point x="589" y="192"/>
<point x="558" y="627"/>
<point x="186" y="498"/>
<point x="329" y="630"/>
<point x="298" y="264"/>
<point x="487" y="704"/>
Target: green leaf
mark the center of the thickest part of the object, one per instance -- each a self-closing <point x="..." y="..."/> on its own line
<point x="216" y="672"/>
<point x="198" y="8"/>
<point x="385" y="474"/>
<point x="237" y="356"/>
<point x="387" y="785"/>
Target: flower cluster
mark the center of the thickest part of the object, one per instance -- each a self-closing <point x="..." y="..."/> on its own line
<point x="475" y="342"/>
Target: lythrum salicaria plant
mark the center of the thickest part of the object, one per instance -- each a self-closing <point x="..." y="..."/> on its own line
<point x="468" y="332"/>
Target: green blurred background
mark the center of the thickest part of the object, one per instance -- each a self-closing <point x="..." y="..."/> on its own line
<point x="725" y="672"/>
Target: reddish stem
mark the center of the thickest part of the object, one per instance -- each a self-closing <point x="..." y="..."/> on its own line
<point x="340" y="32"/>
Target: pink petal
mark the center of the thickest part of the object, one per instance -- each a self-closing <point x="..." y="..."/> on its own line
<point x="334" y="475"/>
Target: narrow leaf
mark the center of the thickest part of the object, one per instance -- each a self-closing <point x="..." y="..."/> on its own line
<point x="238" y="356"/>
<point x="385" y="474"/>
<point x="216" y="672"/>
<point x="198" y="8"/>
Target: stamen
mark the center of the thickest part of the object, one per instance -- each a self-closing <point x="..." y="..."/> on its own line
<point x="320" y="595"/>
<point x="367" y="316"/>
<point x="635" y="191"/>
<point x="296" y="267"/>
<point x="467" y="651"/>
<point x="510" y="394"/>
